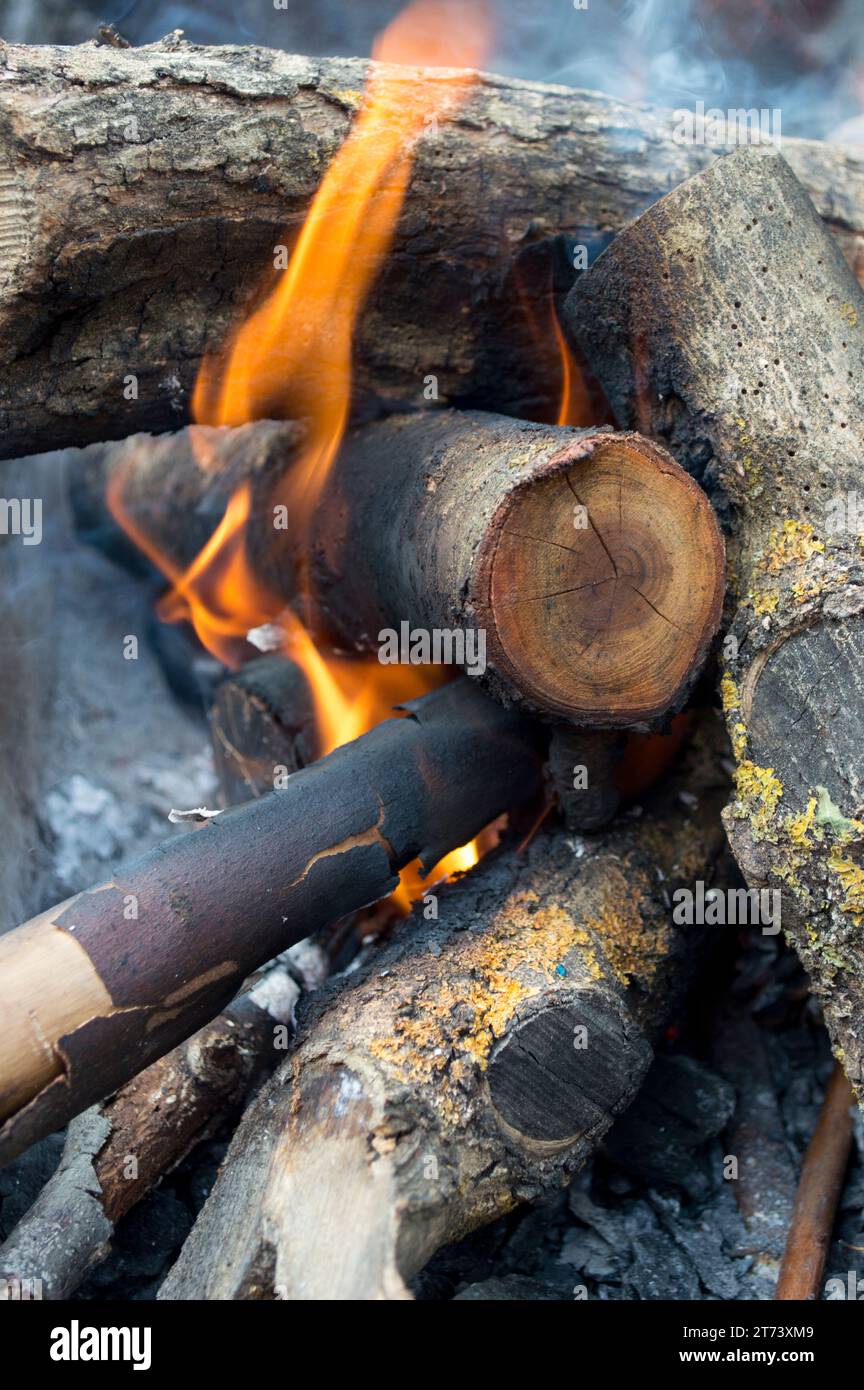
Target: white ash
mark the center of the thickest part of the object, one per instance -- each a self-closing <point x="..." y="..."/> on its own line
<point x="199" y="814"/>
<point x="309" y="961"/>
<point x="267" y="638"/>
<point x="277" y="994"/>
<point x="88" y="822"/>
<point x="165" y="782"/>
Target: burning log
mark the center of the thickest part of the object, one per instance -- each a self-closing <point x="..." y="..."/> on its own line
<point x="578" y="572"/>
<point x="121" y="318"/>
<point x="726" y="323"/>
<point x="98" y="988"/>
<point x="262" y="725"/>
<point x="476" y="1066"/>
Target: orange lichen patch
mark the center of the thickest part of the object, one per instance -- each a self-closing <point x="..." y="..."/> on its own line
<point x="758" y="792"/>
<point x="729" y="693"/>
<point x="732" y="705"/>
<point x="800" y="828"/>
<point x="766" y="602"/>
<point x="619" y="931"/>
<point x="530" y="945"/>
<point x="457" y="1021"/>
<point x="802" y="592"/>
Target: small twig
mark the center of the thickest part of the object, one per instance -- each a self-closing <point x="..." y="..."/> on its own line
<point x="107" y="34"/>
<point x="818" y="1194"/>
<point x="521" y="848"/>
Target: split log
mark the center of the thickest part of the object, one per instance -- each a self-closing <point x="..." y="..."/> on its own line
<point x="475" y="1067"/>
<point x="98" y="988"/>
<point x="726" y="323"/>
<point x="587" y="562"/>
<point x="143" y="191"/>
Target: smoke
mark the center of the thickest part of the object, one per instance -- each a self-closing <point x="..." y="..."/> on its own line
<point x="805" y="57"/>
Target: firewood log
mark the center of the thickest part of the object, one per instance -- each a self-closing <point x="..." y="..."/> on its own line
<point x="121" y="1148"/>
<point x="474" y="1067"/>
<point x="118" y="1151"/>
<point x="588" y="562"/>
<point x="101" y="986"/>
<point x="726" y="323"/>
<point x="262" y="725"/>
<point x="144" y="190"/>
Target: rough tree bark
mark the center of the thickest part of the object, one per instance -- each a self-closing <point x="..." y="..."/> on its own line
<point x="589" y="562"/>
<point x="474" y="1067"/>
<point x="726" y="323"/>
<point x="142" y="192"/>
<point x="101" y="986"/>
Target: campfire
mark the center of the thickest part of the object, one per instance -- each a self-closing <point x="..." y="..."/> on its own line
<point x="488" y="515"/>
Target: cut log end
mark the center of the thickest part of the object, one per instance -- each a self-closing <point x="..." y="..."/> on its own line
<point x="605" y="584"/>
<point x="561" y="1072"/>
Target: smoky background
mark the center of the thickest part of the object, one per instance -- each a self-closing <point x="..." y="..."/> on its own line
<point x="805" y="57"/>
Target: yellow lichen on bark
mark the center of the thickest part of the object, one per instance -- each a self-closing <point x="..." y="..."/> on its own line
<point x="529" y="945"/>
<point x="758" y="793"/>
<point x="630" y="950"/>
<point x="731" y="698"/>
<point x="851" y="878"/>
<point x="794" y="543"/>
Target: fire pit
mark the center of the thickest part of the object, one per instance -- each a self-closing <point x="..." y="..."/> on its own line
<point x="432" y="486"/>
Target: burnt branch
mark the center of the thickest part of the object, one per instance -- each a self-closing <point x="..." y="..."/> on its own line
<point x="98" y="988"/>
<point x="474" y="1067"/>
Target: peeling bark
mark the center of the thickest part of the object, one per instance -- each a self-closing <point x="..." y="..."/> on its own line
<point x="142" y="192"/>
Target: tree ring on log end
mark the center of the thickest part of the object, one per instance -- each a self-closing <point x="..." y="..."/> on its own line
<point x="566" y="1068"/>
<point x="602" y="583"/>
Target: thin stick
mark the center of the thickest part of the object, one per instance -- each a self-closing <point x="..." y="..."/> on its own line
<point x="818" y="1194"/>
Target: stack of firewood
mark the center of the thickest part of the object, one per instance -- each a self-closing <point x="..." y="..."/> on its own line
<point x="475" y="1058"/>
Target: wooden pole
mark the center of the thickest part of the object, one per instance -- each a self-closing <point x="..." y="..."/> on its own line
<point x="825" y="1164"/>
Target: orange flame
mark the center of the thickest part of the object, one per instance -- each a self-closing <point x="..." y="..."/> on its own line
<point x="575" y="407"/>
<point x="291" y="358"/>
